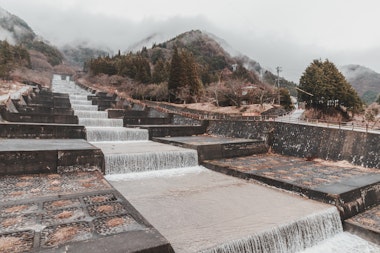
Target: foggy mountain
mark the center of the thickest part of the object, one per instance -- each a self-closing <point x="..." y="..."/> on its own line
<point x="364" y="80"/>
<point x="206" y="46"/>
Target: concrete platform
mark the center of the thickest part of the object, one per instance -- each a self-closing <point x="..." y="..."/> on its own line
<point x="216" y="147"/>
<point x="137" y="156"/>
<point x="197" y="209"/>
<point x="20" y="156"/>
<point x="365" y="225"/>
<point x="352" y="189"/>
<point x="41" y="131"/>
<point x="164" y="130"/>
<point x="72" y="212"/>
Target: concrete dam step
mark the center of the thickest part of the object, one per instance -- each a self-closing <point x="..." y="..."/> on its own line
<point x="127" y="157"/>
<point x="25" y="156"/>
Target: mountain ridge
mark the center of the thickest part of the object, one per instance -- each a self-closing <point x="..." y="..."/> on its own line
<point x="364" y="80"/>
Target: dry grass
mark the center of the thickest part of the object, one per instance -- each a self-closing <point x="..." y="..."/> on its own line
<point x="16" y="209"/>
<point x="9" y="244"/>
<point x="11" y="221"/>
<point x="62" y="235"/>
<point x="115" y="222"/>
<point x="23" y="184"/>
<point x="55" y="182"/>
<point x="105" y="209"/>
<point x="61" y="203"/>
<point x="99" y="199"/>
<point x="64" y="215"/>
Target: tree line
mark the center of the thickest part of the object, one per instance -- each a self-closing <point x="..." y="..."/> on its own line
<point x="12" y="57"/>
<point x="325" y="88"/>
<point x="185" y="76"/>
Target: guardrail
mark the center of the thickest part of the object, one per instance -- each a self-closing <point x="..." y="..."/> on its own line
<point x="363" y="127"/>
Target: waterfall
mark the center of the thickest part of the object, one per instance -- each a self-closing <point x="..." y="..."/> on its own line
<point x="344" y="242"/>
<point x="91" y="114"/>
<point x="101" y="129"/>
<point x="149" y="161"/>
<point x="78" y="97"/>
<point x="80" y="102"/>
<point x="291" y="237"/>
<point x="116" y="134"/>
<point x="80" y="107"/>
<point x="101" y="122"/>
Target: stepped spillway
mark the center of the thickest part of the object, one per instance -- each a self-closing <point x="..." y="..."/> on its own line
<point x="125" y="149"/>
<point x="199" y="210"/>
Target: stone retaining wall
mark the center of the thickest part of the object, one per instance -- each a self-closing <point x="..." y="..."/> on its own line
<point x="358" y="148"/>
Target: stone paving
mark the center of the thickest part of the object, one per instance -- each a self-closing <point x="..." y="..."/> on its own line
<point x="297" y="171"/>
<point x="55" y="212"/>
<point x="366" y="224"/>
<point x="352" y="189"/>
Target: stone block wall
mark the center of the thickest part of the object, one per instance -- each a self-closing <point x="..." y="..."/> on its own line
<point x="358" y="148"/>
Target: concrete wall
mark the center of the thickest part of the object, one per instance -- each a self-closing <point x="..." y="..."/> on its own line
<point x="358" y="148"/>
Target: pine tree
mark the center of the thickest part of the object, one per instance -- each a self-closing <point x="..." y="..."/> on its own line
<point x="328" y="88"/>
<point x="175" y="74"/>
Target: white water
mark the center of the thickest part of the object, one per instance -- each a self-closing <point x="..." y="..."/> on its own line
<point x="100" y="129"/>
<point x="344" y="243"/>
<point x="95" y="134"/>
<point x="81" y="107"/>
<point x="139" y="162"/>
<point x="91" y="114"/>
<point x="80" y="102"/>
<point x="295" y="236"/>
<point x="101" y="122"/>
<point x="292" y="237"/>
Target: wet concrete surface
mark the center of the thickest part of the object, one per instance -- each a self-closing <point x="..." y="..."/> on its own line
<point x="27" y="156"/>
<point x="132" y="147"/>
<point x="217" y="147"/>
<point x="196" y="208"/>
<point x="352" y="189"/>
<point x="204" y="140"/>
<point x="366" y="225"/>
<point x="71" y="212"/>
<point x="41" y="145"/>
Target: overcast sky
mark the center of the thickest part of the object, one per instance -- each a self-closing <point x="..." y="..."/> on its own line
<point x="282" y="33"/>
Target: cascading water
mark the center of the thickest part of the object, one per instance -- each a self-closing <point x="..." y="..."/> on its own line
<point x="127" y="163"/>
<point x="91" y="114"/>
<point x="81" y="107"/>
<point x="101" y="122"/>
<point x="296" y="236"/>
<point x="100" y="129"/>
<point x="115" y="134"/>
<point x="292" y="237"/>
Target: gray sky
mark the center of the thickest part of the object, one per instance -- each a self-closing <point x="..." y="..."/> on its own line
<point x="282" y="33"/>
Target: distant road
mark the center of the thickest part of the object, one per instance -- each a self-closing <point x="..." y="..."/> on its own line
<point x="295" y="118"/>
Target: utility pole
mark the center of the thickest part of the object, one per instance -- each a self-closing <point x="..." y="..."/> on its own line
<point x="279" y="69"/>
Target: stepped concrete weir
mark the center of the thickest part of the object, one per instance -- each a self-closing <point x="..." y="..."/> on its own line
<point x="199" y="210"/>
<point x="156" y="203"/>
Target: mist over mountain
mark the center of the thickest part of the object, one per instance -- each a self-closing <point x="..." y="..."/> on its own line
<point x="364" y="80"/>
<point x="78" y="53"/>
<point x="17" y="32"/>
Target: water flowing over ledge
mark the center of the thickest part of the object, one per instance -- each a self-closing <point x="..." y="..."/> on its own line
<point x="139" y="162"/>
<point x="116" y="134"/>
<point x="292" y="237"/>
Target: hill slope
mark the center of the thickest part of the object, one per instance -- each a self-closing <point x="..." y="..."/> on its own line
<point x="364" y="80"/>
<point x="16" y="31"/>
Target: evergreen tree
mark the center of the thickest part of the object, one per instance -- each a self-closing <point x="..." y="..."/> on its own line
<point x="328" y="87"/>
<point x="161" y="72"/>
<point x="175" y="74"/>
<point x="12" y="57"/>
<point x="184" y="83"/>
